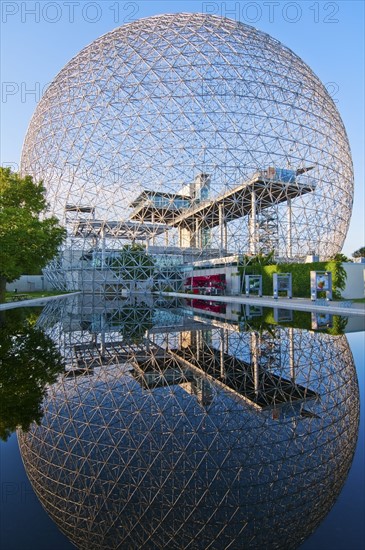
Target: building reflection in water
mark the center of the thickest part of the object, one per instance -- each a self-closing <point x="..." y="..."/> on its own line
<point x="185" y="432"/>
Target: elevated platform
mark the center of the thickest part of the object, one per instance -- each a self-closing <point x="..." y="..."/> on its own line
<point x="151" y="206"/>
<point x="268" y="189"/>
<point x="192" y="251"/>
<point x="86" y="357"/>
<point x="124" y="230"/>
<point x="262" y="389"/>
<point x="159" y="372"/>
<point x="237" y="202"/>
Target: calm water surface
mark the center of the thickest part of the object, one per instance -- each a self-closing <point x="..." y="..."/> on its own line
<point x="175" y="425"/>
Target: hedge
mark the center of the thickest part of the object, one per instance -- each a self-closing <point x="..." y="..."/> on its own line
<point x="301" y="320"/>
<point x="300" y="276"/>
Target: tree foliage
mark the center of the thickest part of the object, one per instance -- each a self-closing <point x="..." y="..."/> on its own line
<point x="359" y="253"/>
<point x="258" y="259"/>
<point x="29" y="361"/>
<point x="28" y="240"/>
<point x="251" y="265"/>
<point x="133" y="264"/>
<point x="136" y="322"/>
<point x="339" y="257"/>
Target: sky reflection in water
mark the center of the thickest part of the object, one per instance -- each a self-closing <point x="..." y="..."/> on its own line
<point x="177" y="427"/>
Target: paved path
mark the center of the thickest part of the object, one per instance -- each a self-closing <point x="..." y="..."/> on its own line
<point x="34" y="301"/>
<point x="300" y="304"/>
<point x="345" y="307"/>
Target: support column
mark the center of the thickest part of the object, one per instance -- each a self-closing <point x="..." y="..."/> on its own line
<point x="221" y="229"/>
<point x="289" y="236"/>
<point x="221" y="354"/>
<point x="253" y="229"/>
<point x="103" y="252"/>
<point x="199" y="340"/>
<point x="102" y="342"/>
<point x="197" y="234"/>
<point x="255" y="361"/>
<point x="102" y="335"/>
<point x="153" y="231"/>
<point x="291" y="354"/>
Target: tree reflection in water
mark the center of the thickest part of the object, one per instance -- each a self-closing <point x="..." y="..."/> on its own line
<point x="29" y="361"/>
<point x="197" y="435"/>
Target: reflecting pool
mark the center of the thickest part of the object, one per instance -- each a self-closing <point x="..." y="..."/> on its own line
<point x="169" y="424"/>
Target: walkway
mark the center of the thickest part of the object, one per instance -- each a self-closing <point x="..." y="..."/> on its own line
<point x="33" y="302"/>
<point x="345" y="307"/>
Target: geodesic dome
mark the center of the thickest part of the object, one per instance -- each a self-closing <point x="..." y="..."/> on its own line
<point x="142" y="450"/>
<point x="197" y="132"/>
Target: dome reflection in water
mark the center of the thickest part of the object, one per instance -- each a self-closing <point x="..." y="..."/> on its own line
<point x="190" y="432"/>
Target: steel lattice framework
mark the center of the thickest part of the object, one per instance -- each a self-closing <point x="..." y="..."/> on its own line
<point x="196" y="135"/>
<point x="192" y="436"/>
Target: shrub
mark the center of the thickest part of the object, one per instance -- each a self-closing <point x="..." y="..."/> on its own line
<point x="300" y="276"/>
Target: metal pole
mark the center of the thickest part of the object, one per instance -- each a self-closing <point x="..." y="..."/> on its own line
<point x="253" y="237"/>
<point x="290" y="248"/>
<point x="255" y="361"/>
<point x="153" y="229"/>
<point x="103" y="246"/>
<point x="197" y="234"/>
<point x="221" y="349"/>
<point x="221" y="229"/>
<point x="291" y="354"/>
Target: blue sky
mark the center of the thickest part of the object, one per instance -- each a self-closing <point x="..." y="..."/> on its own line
<point x="39" y="37"/>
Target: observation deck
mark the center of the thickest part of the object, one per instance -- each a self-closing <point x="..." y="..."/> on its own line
<point x="156" y="207"/>
<point x="237" y="203"/>
<point x="245" y="381"/>
<point x="267" y="187"/>
<point x="255" y="385"/>
<point x="127" y="230"/>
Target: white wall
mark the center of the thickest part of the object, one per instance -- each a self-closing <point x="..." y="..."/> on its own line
<point x="29" y="283"/>
<point x="355" y="283"/>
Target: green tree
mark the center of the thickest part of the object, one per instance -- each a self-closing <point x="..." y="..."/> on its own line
<point x="252" y="265"/>
<point x="132" y="264"/>
<point x="135" y="320"/>
<point x="259" y="259"/>
<point x="29" y="361"/>
<point x="28" y="240"/>
<point x="339" y="257"/>
<point x="359" y="253"/>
